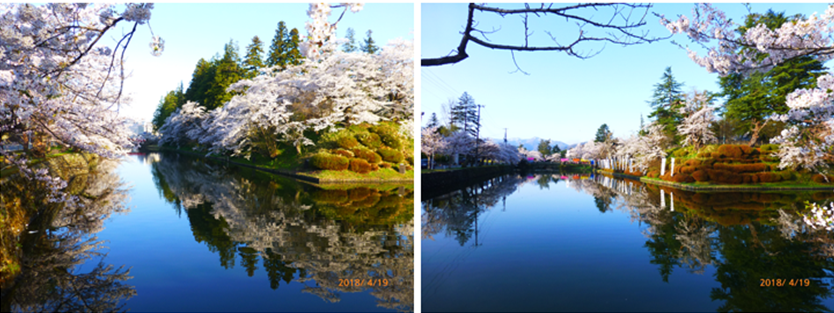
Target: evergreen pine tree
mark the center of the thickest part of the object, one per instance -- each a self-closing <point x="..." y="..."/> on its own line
<point x="277" y="49"/>
<point x="433" y="122"/>
<point x="253" y="60"/>
<point x="369" y="46"/>
<point x="667" y="102"/>
<point x="284" y="49"/>
<point x="603" y="133"/>
<point x="349" y="46"/>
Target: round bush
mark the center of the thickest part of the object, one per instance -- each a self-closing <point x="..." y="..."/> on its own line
<point x="343" y="152"/>
<point x="370" y="140"/>
<point x="367" y="155"/>
<point x="700" y="176"/>
<point x="328" y="161"/>
<point x="347" y="142"/>
<point x="391" y="155"/>
<point x="360" y="166"/>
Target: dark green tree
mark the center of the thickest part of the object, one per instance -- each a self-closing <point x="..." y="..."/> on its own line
<point x="465" y="114"/>
<point x="369" y="46"/>
<point x="556" y="149"/>
<point x="433" y="122"/>
<point x="350" y="46"/>
<point x="603" y="133"/>
<point x="754" y="98"/>
<point x="544" y="147"/>
<point x="253" y="61"/>
<point x="201" y="79"/>
<point x="667" y="101"/>
<point x="284" y="48"/>
<point x="228" y="72"/>
<point x="167" y="105"/>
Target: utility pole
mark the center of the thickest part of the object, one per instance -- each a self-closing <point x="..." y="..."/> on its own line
<point x="478" y="135"/>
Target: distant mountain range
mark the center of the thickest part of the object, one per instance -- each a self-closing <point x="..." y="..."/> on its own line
<point x="533" y="143"/>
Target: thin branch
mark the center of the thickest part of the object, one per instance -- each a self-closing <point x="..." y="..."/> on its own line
<point x="621" y="33"/>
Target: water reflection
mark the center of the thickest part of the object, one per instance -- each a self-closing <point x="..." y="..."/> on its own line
<point x="49" y="242"/>
<point x="741" y="237"/>
<point x="296" y="232"/>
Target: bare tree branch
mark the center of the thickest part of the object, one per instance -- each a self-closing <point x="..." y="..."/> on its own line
<point x="622" y="29"/>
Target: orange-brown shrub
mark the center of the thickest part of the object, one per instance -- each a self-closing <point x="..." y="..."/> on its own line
<point x="819" y="178"/>
<point x="692" y="162"/>
<point x="732" y="151"/>
<point x="328" y="161"/>
<point x="385" y="165"/>
<point x="343" y="153"/>
<point x="741" y="168"/>
<point x="367" y="155"/>
<point x="374" y="167"/>
<point x="769" y="177"/>
<point x="683" y="178"/>
<point x="360" y="166"/>
<point x="700" y="175"/>
<point x="725" y="177"/>
<point x="653" y="173"/>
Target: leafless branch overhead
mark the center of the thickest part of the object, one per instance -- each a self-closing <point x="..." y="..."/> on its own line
<point x="622" y="28"/>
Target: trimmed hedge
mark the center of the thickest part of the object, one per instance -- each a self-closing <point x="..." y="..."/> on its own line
<point x="367" y="155"/>
<point x="370" y="140"/>
<point x="343" y="152"/>
<point x="391" y="155"/>
<point x="328" y="161"/>
<point x="347" y="142"/>
<point x="819" y="178"/>
<point x="360" y="166"/>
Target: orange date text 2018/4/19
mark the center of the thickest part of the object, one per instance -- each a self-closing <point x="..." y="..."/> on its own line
<point x="362" y="282"/>
<point x="779" y="282"/>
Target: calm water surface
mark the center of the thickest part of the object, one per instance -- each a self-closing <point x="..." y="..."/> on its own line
<point x="200" y="236"/>
<point x="547" y="242"/>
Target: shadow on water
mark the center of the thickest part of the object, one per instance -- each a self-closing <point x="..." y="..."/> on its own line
<point x="298" y="232"/>
<point x="46" y="243"/>
<point x="744" y="238"/>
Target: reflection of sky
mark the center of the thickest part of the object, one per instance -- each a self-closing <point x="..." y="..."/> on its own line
<point x="173" y="272"/>
<point x="553" y="250"/>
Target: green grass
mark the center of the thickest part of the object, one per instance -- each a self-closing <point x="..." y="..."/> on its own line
<point x="789" y="184"/>
<point x="381" y="174"/>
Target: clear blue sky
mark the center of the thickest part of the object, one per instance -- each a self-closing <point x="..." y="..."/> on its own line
<point x="194" y="31"/>
<point x="563" y="98"/>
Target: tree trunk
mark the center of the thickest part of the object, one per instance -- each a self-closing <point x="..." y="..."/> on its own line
<point x="754" y="135"/>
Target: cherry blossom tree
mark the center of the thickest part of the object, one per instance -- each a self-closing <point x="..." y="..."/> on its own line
<point x="699" y="116"/>
<point x="431" y="143"/>
<point x="184" y="124"/>
<point x="330" y="89"/>
<point x="459" y="142"/>
<point x="61" y="82"/>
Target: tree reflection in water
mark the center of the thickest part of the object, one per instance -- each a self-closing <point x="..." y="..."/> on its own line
<point x="313" y="236"/>
<point x="59" y="237"/>
<point x="745" y="236"/>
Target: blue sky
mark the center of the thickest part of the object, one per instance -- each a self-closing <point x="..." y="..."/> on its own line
<point x="194" y="31"/>
<point x="563" y="98"/>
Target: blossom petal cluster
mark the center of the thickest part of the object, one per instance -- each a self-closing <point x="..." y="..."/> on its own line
<point x="820" y="217"/>
<point x="696" y="124"/>
<point x="320" y="32"/>
<point x="759" y="48"/>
